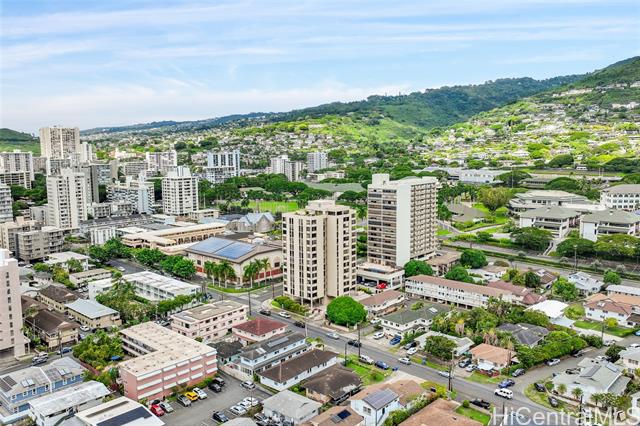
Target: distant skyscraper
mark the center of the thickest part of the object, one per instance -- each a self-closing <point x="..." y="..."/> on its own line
<point x="137" y="192"/>
<point x="316" y="161"/>
<point x="162" y="160"/>
<point x="6" y="210"/>
<point x="17" y="161"/>
<point x="68" y="199"/>
<point x="179" y="192"/>
<point x="11" y="337"/>
<point x="319" y="251"/>
<point x="282" y="165"/>
<point x="401" y="219"/>
<point x="222" y="165"/>
<point x="60" y="142"/>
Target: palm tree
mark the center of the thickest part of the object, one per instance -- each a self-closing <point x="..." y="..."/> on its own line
<point x="226" y="271"/>
<point x="250" y="271"/>
<point x="212" y="270"/>
<point x="596" y="399"/>
<point x="577" y="393"/>
<point x="562" y="388"/>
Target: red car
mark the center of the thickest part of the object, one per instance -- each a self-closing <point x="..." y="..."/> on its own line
<point x="381" y="286"/>
<point x="157" y="410"/>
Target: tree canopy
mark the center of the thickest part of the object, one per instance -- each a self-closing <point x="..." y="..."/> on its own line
<point x="343" y="310"/>
<point x="532" y="238"/>
<point x="472" y="258"/>
<point x="417" y="267"/>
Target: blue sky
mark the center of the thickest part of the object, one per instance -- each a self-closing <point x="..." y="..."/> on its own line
<point x="87" y="64"/>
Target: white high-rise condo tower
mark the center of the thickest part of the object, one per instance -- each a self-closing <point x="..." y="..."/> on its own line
<point x="60" y="142"/>
<point x="179" y="192"/>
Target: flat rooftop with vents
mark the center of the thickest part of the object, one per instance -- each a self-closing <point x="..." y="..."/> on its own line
<point x="119" y="412"/>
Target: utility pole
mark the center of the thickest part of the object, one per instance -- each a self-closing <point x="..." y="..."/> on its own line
<point x="345" y="353"/>
<point x="359" y="343"/>
<point x="249" y="300"/>
<point x="450" y="388"/>
<point x="575" y="258"/>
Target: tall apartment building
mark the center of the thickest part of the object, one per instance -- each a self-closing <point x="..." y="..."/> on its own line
<point x="282" y="165"/>
<point x="39" y="243"/>
<point x="11" y="338"/>
<point x="59" y="142"/>
<point x="6" y="210"/>
<point x="222" y="166"/>
<point x="17" y="161"/>
<point x="137" y="192"/>
<point x="161" y="160"/>
<point x="317" y="161"/>
<point x="85" y="153"/>
<point x="401" y="219"/>
<point x="133" y="168"/>
<point x="68" y="198"/>
<point x="179" y="192"/>
<point x="16" y="178"/>
<point x="9" y="232"/>
<point x="319" y="251"/>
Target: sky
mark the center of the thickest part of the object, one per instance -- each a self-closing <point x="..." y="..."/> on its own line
<point x="102" y="63"/>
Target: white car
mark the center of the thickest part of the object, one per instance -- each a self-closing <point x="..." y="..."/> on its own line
<point x="334" y="336"/>
<point x="238" y="410"/>
<point x="634" y="345"/>
<point x="201" y="394"/>
<point x="504" y="393"/>
<point x="122" y="269"/>
<point x="375" y="321"/>
<point x="404" y="360"/>
<point x="249" y="402"/>
<point x="85" y="328"/>
<point x="412" y="351"/>
<point x="601" y="358"/>
<point x="366" y="359"/>
<point x="378" y="335"/>
<point x="284" y="315"/>
<point x="609" y="342"/>
<point x="470" y="368"/>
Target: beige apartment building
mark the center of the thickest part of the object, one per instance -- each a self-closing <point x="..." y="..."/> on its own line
<point x="59" y="142"/>
<point x="10" y="230"/>
<point x="68" y="199"/>
<point x="401" y="219"/>
<point x="319" y="251"/>
<point x="179" y="192"/>
<point x="12" y="340"/>
<point x="38" y="244"/>
<point x="210" y="321"/>
<point x="17" y="161"/>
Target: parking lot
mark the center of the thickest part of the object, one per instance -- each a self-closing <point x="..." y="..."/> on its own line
<point x="199" y="412"/>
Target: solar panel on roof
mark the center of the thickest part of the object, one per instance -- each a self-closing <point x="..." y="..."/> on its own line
<point x="212" y="244"/>
<point x="126" y="418"/>
<point x="4" y="385"/>
<point x="344" y="414"/>
<point x="235" y="250"/>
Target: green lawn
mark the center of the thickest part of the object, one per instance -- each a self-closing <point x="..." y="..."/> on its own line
<point x="274" y="206"/>
<point x="474" y="414"/>
<point x="442" y="232"/>
<point x="616" y="331"/>
<point x="481" y="378"/>
<point x="418" y="360"/>
<point x="368" y="373"/>
<point x="542" y="398"/>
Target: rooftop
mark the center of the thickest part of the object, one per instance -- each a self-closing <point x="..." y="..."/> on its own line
<point x="551" y="308"/>
<point x="442" y="413"/>
<point x="381" y="398"/>
<point x="382" y="297"/>
<point x="492" y="353"/>
<point x="406" y="316"/>
<point x="335" y="382"/>
<point x="551" y="212"/>
<point x="291" y="368"/>
<point x="260" y="326"/>
<point x="623" y="189"/>
<point x="270" y="345"/>
<point x="291" y="405"/>
<point x="231" y="249"/>
<point x="209" y="310"/>
<point x="65" y="256"/>
<point x="457" y="285"/>
<point x="406" y="390"/>
<point x="624" y="289"/>
<point x="59" y="293"/>
<point x="91" y="308"/>
<point x="90" y="273"/>
<point x="69" y="397"/>
<point x="612" y="216"/>
<point x="28" y="378"/>
<point x="337" y="416"/>
<point x="119" y="412"/>
<point x="167" y="284"/>
<point x="525" y="334"/>
<point x="168" y="347"/>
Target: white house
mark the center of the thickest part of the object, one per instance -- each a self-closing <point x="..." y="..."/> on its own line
<point x="289" y="407"/>
<point x="557" y="220"/>
<point x="375" y="407"/>
<point x="609" y="222"/>
<point x="463" y="344"/>
<point x="630" y="358"/>
<point x="594" y="377"/>
<point x="585" y="283"/>
<point x="50" y="409"/>
<point x="291" y="372"/>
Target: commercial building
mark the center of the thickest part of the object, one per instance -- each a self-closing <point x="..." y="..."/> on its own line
<point x="52" y="409"/>
<point x="119" y="411"/>
<point x="401" y="219"/>
<point x="258" y="329"/>
<point x="17" y="161"/>
<point x="38" y="244"/>
<point x="68" y="199"/>
<point x="6" y="204"/>
<point x="316" y="161"/>
<point x="179" y="192"/>
<point x="546" y="198"/>
<point x="454" y="292"/>
<point x="621" y="197"/>
<point x="137" y="192"/>
<point x="12" y="340"/>
<point x="59" y="142"/>
<point x="238" y="252"/>
<point x="19" y="387"/>
<point x="222" y="166"/>
<point x="557" y="220"/>
<point x="176" y="235"/>
<point x="292" y="371"/>
<point x="210" y="321"/>
<point x="93" y="314"/>
<point x="163" y="360"/>
<point x="609" y="222"/>
<point x="155" y="287"/>
<point x="161" y="160"/>
<point x="319" y="250"/>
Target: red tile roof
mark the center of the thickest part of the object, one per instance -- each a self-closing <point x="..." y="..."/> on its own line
<point x="260" y="326"/>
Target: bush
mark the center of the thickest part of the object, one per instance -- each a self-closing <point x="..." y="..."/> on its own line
<point x="465" y="403"/>
<point x="290" y="305"/>
<point x="593" y="340"/>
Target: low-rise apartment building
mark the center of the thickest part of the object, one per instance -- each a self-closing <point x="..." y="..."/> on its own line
<point x="84" y="277"/>
<point x="62" y="258"/>
<point x="93" y="314"/>
<point x="210" y="321"/>
<point x="163" y="361"/>
<point x="453" y="292"/>
<point x="263" y="355"/>
<point x="624" y="309"/>
<point x="383" y="302"/>
<point x="38" y="244"/>
<point x="52" y="328"/>
<point x="621" y="197"/>
<point x="609" y="222"/>
<point x="623" y="289"/>
<point x="557" y="220"/>
<point x="258" y="329"/>
<point x="156" y="287"/>
<point x="56" y="297"/>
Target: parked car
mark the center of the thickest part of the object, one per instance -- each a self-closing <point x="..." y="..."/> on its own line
<point x="261" y="417"/>
<point x="404" y="360"/>
<point x="412" y="351"/>
<point x="215" y="387"/>
<point x="249" y="402"/>
<point x="366" y="359"/>
<point x="219" y="381"/>
<point x="634" y="345"/>
<point x="39" y="360"/>
<point x="354" y="343"/>
<point x="220" y="417"/>
<point x="157" y="410"/>
<point x="381" y="364"/>
<point x="553" y="401"/>
<point x="266" y="313"/>
<point x="637" y="333"/>
<point x="395" y="340"/>
<point x="192" y="396"/>
<point x="481" y="403"/>
<point x="578" y="354"/>
<point x="552" y="362"/>
<point x="381" y="286"/>
<point x="378" y="335"/>
<point x="539" y="387"/>
<point x="504" y="393"/>
<point x="609" y="342"/>
<point x="410" y="345"/>
<point x="64" y="350"/>
<point x="445" y="373"/>
<point x="238" y="410"/>
<point x="333" y="335"/>
<point x="464" y="363"/>
<point x="519" y="372"/>
<point x="506" y="383"/>
<point x="166" y="407"/>
<point x="600" y="358"/>
<point x="375" y="321"/>
<point x="201" y="394"/>
<point x="284" y="314"/>
<point x="248" y="385"/>
<point x="184" y="401"/>
<point x="470" y="368"/>
<point x="572" y="371"/>
<point x="299" y="324"/>
<point x="85" y="328"/>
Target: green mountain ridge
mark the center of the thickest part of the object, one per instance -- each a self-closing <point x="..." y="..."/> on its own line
<point x="11" y="139"/>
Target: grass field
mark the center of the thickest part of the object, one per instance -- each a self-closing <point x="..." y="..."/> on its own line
<point x="616" y="331"/>
<point x="474" y="414"/>
<point x="481" y="378"/>
<point x="273" y="206"/>
<point x="442" y="232"/>
<point x="368" y="373"/>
